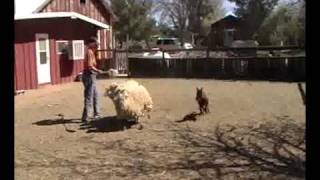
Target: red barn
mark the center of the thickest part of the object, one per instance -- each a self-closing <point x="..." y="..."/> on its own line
<point x="50" y="38"/>
<point x="224" y="31"/>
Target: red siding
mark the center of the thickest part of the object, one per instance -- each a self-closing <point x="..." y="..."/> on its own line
<point x="62" y="69"/>
<point x="93" y="9"/>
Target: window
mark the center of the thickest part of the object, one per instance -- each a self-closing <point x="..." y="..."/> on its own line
<point x="76" y="49"/>
<point x="43" y="57"/>
<point x="168" y="42"/>
<point x="62" y="47"/>
<point x="82" y="1"/>
<point x="42" y="49"/>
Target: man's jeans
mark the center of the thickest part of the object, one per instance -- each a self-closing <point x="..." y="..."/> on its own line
<point x="90" y="94"/>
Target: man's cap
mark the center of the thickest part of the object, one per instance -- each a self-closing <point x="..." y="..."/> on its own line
<point x="92" y="40"/>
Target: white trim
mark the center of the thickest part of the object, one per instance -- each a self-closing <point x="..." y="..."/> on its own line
<point x="77" y="56"/>
<point x="230" y="30"/>
<point x="42" y="5"/>
<point x="99" y="39"/>
<point x="72" y="15"/>
<point x="112" y="40"/>
<point x="105" y="39"/>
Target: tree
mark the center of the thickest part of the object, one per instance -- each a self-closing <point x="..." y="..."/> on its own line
<point x="252" y="13"/>
<point x="135" y="20"/>
<point x="165" y="30"/>
<point x="189" y="15"/>
<point x="175" y="13"/>
<point x="201" y="12"/>
<point x="286" y="24"/>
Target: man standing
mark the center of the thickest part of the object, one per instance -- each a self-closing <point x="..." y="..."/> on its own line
<point x="89" y="77"/>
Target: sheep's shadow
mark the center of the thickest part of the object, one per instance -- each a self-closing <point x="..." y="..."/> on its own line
<point x="107" y="124"/>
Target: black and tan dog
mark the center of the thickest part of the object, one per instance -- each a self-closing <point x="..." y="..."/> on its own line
<point x="202" y="100"/>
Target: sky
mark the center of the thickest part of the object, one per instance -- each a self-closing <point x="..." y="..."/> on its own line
<point x="26" y="6"/>
<point x="23" y="7"/>
<point x="229" y="7"/>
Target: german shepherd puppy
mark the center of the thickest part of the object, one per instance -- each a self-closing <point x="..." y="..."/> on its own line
<point x="202" y="100"/>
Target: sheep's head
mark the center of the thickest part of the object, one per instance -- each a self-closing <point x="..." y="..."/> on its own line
<point x="111" y="90"/>
<point x="148" y="107"/>
<point x="115" y="93"/>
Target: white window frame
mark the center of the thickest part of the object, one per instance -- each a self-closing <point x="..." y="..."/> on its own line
<point x="99" y="39"/>
<point x="74" y="56"/>
<point x="99" y="43"/>
<point x="61" y="41"/>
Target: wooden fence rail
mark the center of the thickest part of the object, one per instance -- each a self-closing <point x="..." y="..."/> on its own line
<point x="246" y="63"/>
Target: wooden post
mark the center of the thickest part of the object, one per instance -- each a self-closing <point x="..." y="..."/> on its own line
<point x="162" y="55"/>
<point x="206" y="63"/>
<point x="115" y="59"/>
<point x="192" y="39"/>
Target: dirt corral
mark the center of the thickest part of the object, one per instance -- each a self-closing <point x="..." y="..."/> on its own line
<point x="254" y="130"/>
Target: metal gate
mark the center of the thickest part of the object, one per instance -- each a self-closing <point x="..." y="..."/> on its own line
<point x="115" y="59"/>
<point x="120" y="59"/>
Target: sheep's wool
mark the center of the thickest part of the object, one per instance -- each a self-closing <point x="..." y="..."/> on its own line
<point x="131" y="99"/>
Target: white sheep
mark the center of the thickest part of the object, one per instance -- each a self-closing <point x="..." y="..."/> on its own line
<point x="131" y="99"/>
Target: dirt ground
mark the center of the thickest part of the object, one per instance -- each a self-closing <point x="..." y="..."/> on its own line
<point x="47" y="147"/>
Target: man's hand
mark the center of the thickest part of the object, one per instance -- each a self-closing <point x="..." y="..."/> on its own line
<point x="100" y="71"/>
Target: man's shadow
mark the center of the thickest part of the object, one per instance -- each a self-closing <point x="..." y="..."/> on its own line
<point x="105" y="124"/>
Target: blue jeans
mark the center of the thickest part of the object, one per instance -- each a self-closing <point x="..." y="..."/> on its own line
<point x="90" y="94"/>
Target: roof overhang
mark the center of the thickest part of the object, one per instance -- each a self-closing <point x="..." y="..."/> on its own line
<point x="72" y="15"/>
<point x="226" y="18"/>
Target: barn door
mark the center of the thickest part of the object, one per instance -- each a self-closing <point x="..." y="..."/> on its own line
<point x="43" y="58"/>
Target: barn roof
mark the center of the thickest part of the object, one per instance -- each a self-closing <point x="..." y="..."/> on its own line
<point x="27" y="7"/>
<point x="72" y="15"/>
<point x="226" y="19"/>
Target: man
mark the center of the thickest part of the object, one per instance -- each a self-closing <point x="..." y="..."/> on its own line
<point x="89" y="80"/>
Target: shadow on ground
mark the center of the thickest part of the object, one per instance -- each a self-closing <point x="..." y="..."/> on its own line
<point x="107" y="124"/>
<point x="49" y="122"/>
<point x="189" y="117"/>
<point x="271" y="150"/>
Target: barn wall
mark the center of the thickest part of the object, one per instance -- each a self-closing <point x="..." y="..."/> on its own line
<point x="62" y="69"/>
<point x="217" y="32"/>
<point x="92" y="8"/>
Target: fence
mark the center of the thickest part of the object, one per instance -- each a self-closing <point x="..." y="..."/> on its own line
<point x="278" y="63"/>
<point x="115" y="59"/>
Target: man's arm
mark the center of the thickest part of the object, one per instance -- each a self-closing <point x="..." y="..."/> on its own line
<point x="92" y="59"/>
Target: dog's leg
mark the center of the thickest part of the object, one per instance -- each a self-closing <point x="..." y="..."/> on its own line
<point x="201" y="110"/>
<point x="207" y="110"/>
